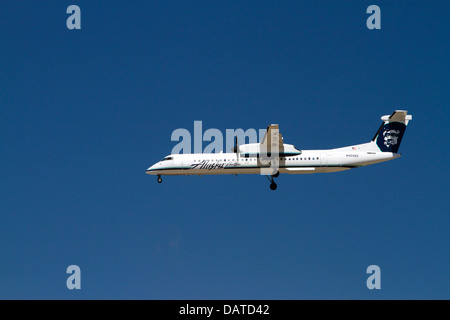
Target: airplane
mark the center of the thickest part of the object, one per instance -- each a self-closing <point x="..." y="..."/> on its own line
<point x="275" y="156"/>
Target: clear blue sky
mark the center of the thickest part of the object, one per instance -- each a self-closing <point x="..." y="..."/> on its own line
<point x="84" y="112"/>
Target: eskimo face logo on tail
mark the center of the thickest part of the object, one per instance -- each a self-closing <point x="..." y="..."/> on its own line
<point x="390" y="137"/>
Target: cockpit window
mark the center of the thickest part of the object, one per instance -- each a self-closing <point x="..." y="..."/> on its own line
<point x="167" y="158"/>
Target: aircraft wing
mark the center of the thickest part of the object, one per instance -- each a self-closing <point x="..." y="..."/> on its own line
<point x="273" y="140"/>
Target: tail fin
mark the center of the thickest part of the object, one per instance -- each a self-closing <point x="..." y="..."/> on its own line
<point x="390" y="134"/>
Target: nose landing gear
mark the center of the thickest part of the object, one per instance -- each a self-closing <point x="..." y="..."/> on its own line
<point x="159" y="179"/>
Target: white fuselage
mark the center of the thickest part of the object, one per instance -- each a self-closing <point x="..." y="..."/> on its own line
<point x="309" y="161"/>
<point x="259" y="158"/>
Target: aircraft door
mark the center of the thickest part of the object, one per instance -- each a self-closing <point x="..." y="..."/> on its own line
<point x="323" y="159"/>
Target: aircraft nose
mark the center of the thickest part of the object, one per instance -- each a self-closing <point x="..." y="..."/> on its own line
<point x="151" y="168"/>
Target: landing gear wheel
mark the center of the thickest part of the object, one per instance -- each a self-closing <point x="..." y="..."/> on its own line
<point x="276" y="174"/>
<point x="159" y="179"/>
<point x="273" y="185"/>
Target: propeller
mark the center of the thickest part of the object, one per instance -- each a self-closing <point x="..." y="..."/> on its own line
<point x="236" y="147"/>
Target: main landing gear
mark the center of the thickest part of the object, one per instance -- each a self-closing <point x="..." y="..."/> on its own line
<point x="273" y="185"/>
<point x="159" y="179"/>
